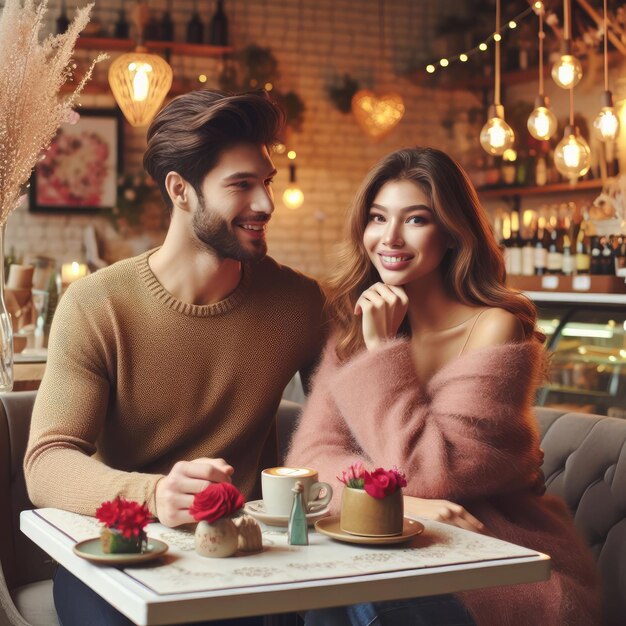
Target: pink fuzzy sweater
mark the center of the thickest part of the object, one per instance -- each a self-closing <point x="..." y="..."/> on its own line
<point x="468" y="435"/>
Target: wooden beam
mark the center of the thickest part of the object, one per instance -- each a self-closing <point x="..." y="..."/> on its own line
<point x="600" y="22"/>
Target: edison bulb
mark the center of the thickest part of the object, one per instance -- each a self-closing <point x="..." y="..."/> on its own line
<point x="606" y="124"/>
<point x="542" y="123"/>
<point x="141" y="82"/>
<point x="293" y="197"/>
<point x="572" y="156"/>
<point x="567" y="71"/>
<point x="496" y="136"/>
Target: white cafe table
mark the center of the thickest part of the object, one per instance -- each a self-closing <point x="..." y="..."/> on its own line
<point x="183" y="587"/>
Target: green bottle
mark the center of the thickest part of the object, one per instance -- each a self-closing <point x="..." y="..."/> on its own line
<point x="298" y="530"/>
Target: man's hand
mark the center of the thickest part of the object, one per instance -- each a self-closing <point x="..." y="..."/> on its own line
<point x="175" y="492"/>
<point x="382" y="307"/>
<point x="442" y="511"/>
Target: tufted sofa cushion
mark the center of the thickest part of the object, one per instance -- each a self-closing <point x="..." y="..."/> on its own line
<point x="585" y="464"/>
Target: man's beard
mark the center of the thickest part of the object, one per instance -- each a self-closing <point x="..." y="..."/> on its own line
<point x="217" y="235"/>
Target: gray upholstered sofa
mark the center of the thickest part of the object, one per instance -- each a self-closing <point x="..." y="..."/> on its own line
<point x="585" y="462"/>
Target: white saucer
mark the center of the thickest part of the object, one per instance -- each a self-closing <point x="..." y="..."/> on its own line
<point x="256" y="509"/>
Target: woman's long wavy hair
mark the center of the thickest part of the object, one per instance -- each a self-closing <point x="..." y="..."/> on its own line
<point x="473" y="269"/>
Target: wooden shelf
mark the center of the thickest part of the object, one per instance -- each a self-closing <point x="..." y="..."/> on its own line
<point x="125" y="45"/>
<point x="506" y="192"/>
<point x="574" y="286"/>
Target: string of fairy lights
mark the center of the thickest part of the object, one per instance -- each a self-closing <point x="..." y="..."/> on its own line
<point x="483" y="46"/>
<point x="572" y="156"/>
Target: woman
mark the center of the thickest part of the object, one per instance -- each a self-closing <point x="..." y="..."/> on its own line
<point x="433" y="367"/>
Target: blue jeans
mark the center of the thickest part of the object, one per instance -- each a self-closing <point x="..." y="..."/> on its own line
<point x="443" y="610"/>
<point x="78" y="605"/>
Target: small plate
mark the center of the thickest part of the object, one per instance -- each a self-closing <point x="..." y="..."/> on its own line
<point x="91" y="549"/>
<point x="256" y="509"/>
<point x="330" y="526"/>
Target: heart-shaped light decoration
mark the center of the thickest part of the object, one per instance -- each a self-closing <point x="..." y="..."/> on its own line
<point x="377" y="116"/>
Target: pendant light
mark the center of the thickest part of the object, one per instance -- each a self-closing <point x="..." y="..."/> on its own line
<point x="572" y="156"/>
<point x="606" y="124"/>
<point x="542" y="122"/>
<point x="496" y="135"/>
<point x="140" y="80"/>
<point x="292" y="196"/>
<point x="567" y="71"/>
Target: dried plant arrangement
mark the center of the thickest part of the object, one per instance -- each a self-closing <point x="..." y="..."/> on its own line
<point x="32" y="73"/>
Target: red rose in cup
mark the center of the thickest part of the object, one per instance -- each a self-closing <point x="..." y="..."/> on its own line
<point x="381" y="482"/>
<point x="217" y="500"/>
<point x="129" y="517"/>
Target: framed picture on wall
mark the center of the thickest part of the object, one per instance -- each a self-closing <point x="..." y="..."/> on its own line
<point x="80" y="170"/>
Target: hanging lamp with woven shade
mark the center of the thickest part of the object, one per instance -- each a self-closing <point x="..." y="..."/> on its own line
<point x="139" y="82"/>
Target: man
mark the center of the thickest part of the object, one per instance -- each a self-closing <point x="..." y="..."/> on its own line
<point x="165" y="371"/>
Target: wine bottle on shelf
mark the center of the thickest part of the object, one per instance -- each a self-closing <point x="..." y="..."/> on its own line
<point x="583" y="257"/>
<point x="167" y="23"/>
<point x="620" y="257"/>
<point x="195" y="27"/>
<point x="595" y="266"/>
<point x="152" y="30"/>
<point x="541" y="252"/>
<point x="569" y="259"/>
<point x="554" y="261"/>
<point x="515" y="254"/>
<point x="528" y="258"/>
<point x="121" y="29"/>
<point x="608" y="260"/>
<point x="62" y="21"/>
<point x="218" y="27"/>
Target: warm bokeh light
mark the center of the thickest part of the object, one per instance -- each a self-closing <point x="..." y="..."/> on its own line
<point x="496" y="136"/>
<point x="606" y="124"/>
<point x="291" y="155"/>
<point x="572" y="157"/>
<point x="542" y="123"/>
<point x="293" y="197"/>
<point x="567" y="71"/>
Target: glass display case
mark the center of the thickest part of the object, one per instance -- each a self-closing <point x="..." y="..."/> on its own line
<point x="588" y="340"/>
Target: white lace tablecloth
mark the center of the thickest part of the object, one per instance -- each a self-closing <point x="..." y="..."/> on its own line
<point x="181" y="570"/>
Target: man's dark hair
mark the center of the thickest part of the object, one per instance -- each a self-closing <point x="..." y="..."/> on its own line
<point x="190" y="133"/>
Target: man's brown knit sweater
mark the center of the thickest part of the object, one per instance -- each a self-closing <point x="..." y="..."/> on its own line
<point x="137" y="380"/>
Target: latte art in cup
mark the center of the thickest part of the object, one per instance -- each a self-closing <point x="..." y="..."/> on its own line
<point x="277" y="484"/>
<point x="290" y="471"/>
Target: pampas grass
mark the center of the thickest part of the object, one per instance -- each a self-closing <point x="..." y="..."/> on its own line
<point x="32" y="73"/>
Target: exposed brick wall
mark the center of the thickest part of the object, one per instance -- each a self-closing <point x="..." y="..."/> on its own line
<point x="314" y="42"/>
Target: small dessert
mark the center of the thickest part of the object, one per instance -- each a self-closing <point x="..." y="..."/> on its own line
<point x="124" y="526"/>
<point x="250" y="539"/>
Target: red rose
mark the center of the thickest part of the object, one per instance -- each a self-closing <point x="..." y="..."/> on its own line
<point x="381" y="483"/>
<point x="129" y="517"/>
<point x="217" y="500"/>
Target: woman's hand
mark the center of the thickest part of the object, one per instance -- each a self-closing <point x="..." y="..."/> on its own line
<point x="382" y="307"/>
<point x="442" y="511"/>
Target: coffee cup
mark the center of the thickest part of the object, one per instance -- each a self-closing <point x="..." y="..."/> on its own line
<point x="277" y="484"/>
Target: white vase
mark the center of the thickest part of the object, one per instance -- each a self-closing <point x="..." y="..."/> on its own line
<point x="217" y="539"/>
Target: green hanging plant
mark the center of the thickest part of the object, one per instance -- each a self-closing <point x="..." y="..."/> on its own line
<point x="257" y="67"/>
<point x="341" y="95"/>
